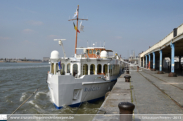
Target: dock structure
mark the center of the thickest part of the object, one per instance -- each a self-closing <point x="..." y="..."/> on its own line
<point x="154" y="93"/>
<point x="169" y="47"/>
<point x="119" y="93"/>
<point x="151" y="93"/>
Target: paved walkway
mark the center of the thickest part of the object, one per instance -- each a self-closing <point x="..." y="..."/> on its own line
<point x="156" y="93"/>
<point x="151" y="93"/>
<point x="120" y="93"/>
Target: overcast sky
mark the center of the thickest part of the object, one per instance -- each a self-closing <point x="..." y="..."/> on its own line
<point x="28" y="27"/>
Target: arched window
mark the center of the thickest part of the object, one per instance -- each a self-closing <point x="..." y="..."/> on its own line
<point x="98" y="52"/>
<point x="99" y="68"/>
<point x="90" y="51"/>
<point x="68" y="68"/>
<point x="85" y="69"/>
<point x="56" y="69"/>
<point x="75" y="69"/>
<point x="94" y="51"/>
<point x="105" y="69"/>
<point x="52" y="68"/>
<point x="92" y="69"/>
<point x="62" y="71"/>
<point x="110" y="70"/>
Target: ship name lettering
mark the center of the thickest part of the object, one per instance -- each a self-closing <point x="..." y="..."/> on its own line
<point x="91" y="89"/>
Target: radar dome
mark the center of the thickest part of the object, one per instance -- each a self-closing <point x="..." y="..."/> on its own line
<point x="103" y="54"/>
<point x="54" y="54"/>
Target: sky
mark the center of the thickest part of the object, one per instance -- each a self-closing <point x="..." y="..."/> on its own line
<point x="28" y="27"/>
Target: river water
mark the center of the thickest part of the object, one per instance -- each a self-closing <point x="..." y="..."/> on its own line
<point x="19" y="80"/>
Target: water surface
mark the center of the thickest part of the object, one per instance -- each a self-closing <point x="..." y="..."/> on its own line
<point x="19" y="80"/>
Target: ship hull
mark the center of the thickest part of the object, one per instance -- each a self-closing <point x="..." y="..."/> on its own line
<point x="67" y="90"/>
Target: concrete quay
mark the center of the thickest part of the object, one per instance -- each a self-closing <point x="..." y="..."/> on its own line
<point x="120" y="93"/>
<point x="151" y="93"/>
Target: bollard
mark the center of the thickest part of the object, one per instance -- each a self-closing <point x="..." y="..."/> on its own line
<point x="172" y="75"/>
<point x="127" y="78"/>
<point x="127" y="71"/>
<point x="153" y="69"/>
<point x="126" y="108"/>
<point x="137" y="68"/>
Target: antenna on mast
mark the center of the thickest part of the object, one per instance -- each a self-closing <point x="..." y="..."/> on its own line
<point x="61" y="44"/>
<point x="87" y="43"/>
<point x="104" y="43"/>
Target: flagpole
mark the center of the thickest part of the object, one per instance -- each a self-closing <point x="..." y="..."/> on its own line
<point x="77" y="27"/>
<point x="76" y="30"/>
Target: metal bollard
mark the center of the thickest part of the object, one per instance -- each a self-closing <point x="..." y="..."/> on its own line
<point x="126" y="108"/>
<point x="127" y="78"/>
<point x="137" y="68"/>
<point x="127" y="71"/>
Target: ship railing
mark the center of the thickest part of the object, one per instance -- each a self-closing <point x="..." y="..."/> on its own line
<point x="80" y="56"/>
<point x="111" y="57"/>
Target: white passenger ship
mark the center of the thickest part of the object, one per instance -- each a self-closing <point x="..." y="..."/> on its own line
<point x="84" y="77"/>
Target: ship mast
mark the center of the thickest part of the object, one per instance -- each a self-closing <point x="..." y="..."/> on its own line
<point x="77" y="28"/>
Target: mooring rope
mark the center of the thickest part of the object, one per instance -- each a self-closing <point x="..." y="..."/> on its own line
<point x="24" y="102"/>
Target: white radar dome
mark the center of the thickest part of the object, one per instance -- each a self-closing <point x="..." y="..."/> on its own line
<point x="54" y="54"/>
<point x="103" y="54"/>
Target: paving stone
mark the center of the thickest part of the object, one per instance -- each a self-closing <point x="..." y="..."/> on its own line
<point x="148" y="99"/>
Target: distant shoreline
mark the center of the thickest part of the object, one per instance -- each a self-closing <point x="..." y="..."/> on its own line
<point x="23" y="62"/>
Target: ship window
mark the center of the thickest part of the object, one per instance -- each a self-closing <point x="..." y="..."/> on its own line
<point x="90" y="51"/>
<point x="110" y="70"/>
<point x="92" y="69"/>
<point x="94" y="51"/>
<point x="52" y="68"/>
<point x="98" y="52"/>
<point x="105" y="69"/>
<point x="85" y="69"/>
<point x="68" y="68"/>
<point x="56" y="69"/>
<point x="62" y="72"/>
<point x="87" y="51"/>
<point x="113" y="70"/>
<point x="99" y="69"/>
<point x="75" y="69"/>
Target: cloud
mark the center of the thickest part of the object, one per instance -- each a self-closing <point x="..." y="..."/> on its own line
<point x="25" y="10"/>
<point x="52" y="36"/>
<point x="118" y="37"/>
<point x="4" y="38"/>
<point x="37" y="23"/>
<point x="27" y="42"/>
<point x="20" y="9"/>
<point x="80" y="40"/>
<point x="27" y="31"/>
